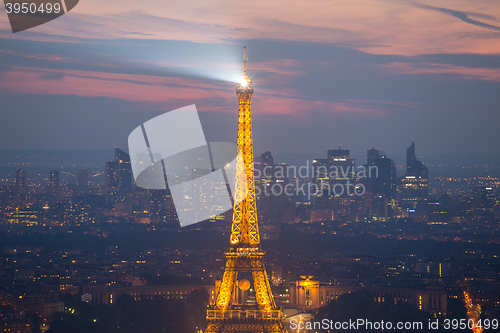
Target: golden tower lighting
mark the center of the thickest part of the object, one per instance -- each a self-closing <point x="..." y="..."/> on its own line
<point x="245" y="254"/>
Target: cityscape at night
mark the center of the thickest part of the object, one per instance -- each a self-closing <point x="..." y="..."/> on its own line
<point x="284" y="168"/>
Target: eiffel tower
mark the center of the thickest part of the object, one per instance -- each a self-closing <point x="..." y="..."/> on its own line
<point x="244" y="255"/>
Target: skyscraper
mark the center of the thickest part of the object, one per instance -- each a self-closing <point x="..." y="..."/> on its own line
<point x="162" y="208"/>
<point x="83" y="178"/>
<point x="83" y="182"/>
<point x="382" y="176"/>
<point x="266" y="168"/>
<point x="482" y="205"/>
<point x="321" y="167"/>
<point x="336" y="168"/>
<point x="124" y="170"/>
<point x="54" y="184"/>
<point x="414" y="187"/>
<point x="112" y="182"/>
<point x="342" y="165"/>
<point x="21" y="186"/>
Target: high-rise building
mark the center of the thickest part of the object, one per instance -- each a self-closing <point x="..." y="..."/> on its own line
<point x="322" y="179"/>
<point x="54" y="184"/>
<point x="83" y="179"/>
<point x="112" y="182"/>
<point x="281" y="174"/>
<point x="83" y="182"/>
<point x="414" y="187"/>
<point x="271" y="196"/>
<point x="21" y="186"/>
<point x="342" y="165"/>
<point x="482" y="205"/>
<point x="381" y="174"/>
<point x="162" y="209"/>
<point x="266" y="168"/>
<point x="335" y="172"/>
<point x="124" y="170"/>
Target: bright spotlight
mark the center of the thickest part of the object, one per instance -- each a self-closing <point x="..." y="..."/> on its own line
<point x="243" y="82"/>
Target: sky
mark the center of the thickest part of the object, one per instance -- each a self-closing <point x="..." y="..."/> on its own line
<point x="359" y="73"/>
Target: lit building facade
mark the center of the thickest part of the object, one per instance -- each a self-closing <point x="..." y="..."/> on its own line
<point x="414" y="187"/>
<point x="112" y="182"/>
<point x="20" y="181"/>
<point x="336" y="169"/>
<point x="54" y="184"/>
<point x="308" y="295"/>
<point x="124" y="170"/>
<point x="107" y="295"/>
<point x="382" y="177"/>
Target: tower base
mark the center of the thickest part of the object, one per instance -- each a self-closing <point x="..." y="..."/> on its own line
<point x="250" y="325"/>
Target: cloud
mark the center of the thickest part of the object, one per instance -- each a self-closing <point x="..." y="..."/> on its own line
<point x="385" y="27"/>
<point x="38" y="56"/>
<point x="397" y="103"/>
<point x="467" y="73"/>
<point x="461" y="15"/>
<point x="167" y="91"/>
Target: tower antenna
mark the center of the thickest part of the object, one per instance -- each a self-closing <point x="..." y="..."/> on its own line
<point x="244" y="59"/>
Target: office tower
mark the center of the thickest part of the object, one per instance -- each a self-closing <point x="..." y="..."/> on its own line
<point x="21" y="186"/>
<point x="266" y="168"/>
<point x="382" y="176"/>
<point x="214" y="203"/>
<point x="281" y="174"/>
<point x="158" y="210"/>
<point x="342" y="165"/>
<point x="112" y="182"/>
<point x="338" y="154"/>
<point x="83" y="181"/>
<point x="414" y="188"/>
<point x="245" y="257"/>
<point x="482" y="205"/>
<point x="272" y="183"/>
<point x="83" y="178"/>
<point x="321" y="167"/>
<point x="333" y="174"/>
<point x="54" y="184"/>
<point x="124" y="170"/>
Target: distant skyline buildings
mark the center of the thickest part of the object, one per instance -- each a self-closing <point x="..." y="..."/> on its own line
<point x="112" y="182"/>
<point x="83" y="178"/>
<point x="338" y="168"/>
<point x="414" y="189"/>
<point x="384" y="186"/>
<point x="385" y="196"/>
<point x="20" y="181"/>
<point x="125" y="179"/>
<point x="54" y="184"/>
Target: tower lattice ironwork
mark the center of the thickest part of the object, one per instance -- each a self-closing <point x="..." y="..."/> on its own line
<point x="245" y="254"/>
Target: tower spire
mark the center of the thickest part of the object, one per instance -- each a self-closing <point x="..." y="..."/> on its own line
<point x="245" y="61"/>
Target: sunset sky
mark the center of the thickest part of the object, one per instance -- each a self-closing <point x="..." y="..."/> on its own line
<point x="360" y="73"/>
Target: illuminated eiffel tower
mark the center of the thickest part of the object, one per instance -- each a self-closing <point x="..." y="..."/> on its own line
<point x="244" y="255"/>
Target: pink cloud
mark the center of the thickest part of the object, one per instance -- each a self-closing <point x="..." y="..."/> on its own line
<point x="157" y="90"/>
<point x="398" y="103"/>
<point x="372" y="26"/>
<point x="467" y="73"/>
